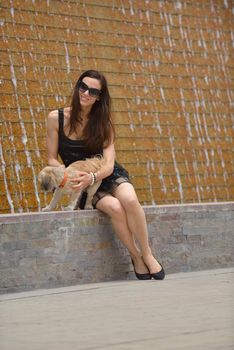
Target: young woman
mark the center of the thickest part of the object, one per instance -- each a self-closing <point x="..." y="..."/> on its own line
<point x="83" y="130"/>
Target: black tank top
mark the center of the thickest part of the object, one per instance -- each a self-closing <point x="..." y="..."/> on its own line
<point x="71" y="150"/>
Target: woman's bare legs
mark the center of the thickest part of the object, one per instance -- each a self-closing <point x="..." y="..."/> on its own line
<point x="128" y="219"/>
<point x="136" y="222"/>
<point x="113" y="208"/>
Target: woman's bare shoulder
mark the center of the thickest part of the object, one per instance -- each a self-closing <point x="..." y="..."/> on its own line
<point x="53" y="115"/>
<point x="52" y="120"/>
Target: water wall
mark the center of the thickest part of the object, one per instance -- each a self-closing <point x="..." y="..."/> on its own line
<point x="170" y="70"/>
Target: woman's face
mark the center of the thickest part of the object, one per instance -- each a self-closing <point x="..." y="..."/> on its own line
<point x="89" y="91"/>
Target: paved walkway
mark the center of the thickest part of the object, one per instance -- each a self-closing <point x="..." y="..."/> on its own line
<point x="185" y="311"/>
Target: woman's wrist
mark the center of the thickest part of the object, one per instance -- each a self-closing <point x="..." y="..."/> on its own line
<point x="92" y="179"/>
<point x="54" y="162"/>
<point x="96" y="176"/>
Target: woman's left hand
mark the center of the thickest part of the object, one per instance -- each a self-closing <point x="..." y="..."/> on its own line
<point x="81" y="181"/>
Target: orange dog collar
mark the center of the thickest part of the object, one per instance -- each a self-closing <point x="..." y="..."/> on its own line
<point x="64" y="180"/>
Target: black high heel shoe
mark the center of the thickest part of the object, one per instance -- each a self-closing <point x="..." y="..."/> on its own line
<point x="141" y="276"/>
<point x="158" y="275"/>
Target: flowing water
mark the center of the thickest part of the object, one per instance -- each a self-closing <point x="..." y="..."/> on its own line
<point x="170" y="69"/>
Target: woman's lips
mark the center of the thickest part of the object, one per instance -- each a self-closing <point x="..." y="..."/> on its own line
<point x="85" y="99"/>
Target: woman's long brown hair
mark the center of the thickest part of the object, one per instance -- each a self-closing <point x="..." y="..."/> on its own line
<point x="99" y="130"/>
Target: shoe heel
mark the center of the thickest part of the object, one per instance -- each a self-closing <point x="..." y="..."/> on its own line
<point x="141" y="276"/>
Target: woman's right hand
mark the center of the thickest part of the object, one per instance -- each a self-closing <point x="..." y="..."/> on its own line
<point x="81" y="181"/>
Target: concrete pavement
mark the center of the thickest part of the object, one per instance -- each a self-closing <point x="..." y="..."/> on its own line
<point x="185" y="311"/>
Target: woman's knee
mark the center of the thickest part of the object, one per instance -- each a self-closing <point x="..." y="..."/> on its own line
<point x="127" y="197"/>
<point x="131" y="203"/>
<point x="111" y="206"/>
<point x="116" y="209"/>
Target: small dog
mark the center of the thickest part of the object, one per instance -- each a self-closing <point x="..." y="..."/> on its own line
<point x="57" y="179"/>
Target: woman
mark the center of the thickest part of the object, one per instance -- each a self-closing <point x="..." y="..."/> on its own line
<point x="84" y="130"/>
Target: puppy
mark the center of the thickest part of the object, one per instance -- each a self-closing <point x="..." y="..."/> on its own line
<point x="58" y="179"/>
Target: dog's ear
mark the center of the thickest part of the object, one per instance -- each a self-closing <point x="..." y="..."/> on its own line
<point x="45" y="182"/>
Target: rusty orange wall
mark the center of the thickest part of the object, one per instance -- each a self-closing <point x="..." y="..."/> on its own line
<point x="170" y="72"/>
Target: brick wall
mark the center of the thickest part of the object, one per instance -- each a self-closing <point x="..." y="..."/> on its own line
<point x="170" y="73"/>
<point x="43" y="250"/>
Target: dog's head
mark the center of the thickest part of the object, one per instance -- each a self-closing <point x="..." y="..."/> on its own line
<point x="47" y="179"/>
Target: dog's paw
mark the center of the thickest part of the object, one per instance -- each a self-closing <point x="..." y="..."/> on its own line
<point x="47" y="208"/>
<point x="67" y="208"/>
<point x="88" y="207"/>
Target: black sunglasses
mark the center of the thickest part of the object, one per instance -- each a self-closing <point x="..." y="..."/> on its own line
<point x="92" y="91"/>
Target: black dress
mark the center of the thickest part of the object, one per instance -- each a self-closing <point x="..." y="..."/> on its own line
<point x="72" y="150"/>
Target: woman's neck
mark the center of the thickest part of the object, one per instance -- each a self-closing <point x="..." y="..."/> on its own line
<point x="85" y="113"/>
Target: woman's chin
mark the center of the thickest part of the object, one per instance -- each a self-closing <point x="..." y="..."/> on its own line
<point x="85" y="103"/>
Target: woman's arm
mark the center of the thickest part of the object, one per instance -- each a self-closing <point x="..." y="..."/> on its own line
<point x="52" y="139"/>
<point x="109" y="157"/>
